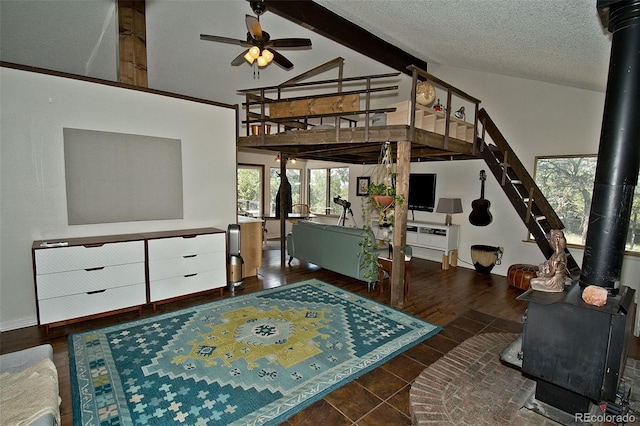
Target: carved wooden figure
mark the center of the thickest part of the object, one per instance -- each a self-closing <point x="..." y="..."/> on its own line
<point x="552" y="274"/>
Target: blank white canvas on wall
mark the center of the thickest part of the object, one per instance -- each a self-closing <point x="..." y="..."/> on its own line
<point x="119" y="177"/>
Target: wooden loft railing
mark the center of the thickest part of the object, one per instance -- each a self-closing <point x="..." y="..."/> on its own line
<point x="418" y="74"/>
<point x="266" y="105"/>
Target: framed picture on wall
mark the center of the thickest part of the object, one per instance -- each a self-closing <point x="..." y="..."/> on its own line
<point x="363" y="186"/>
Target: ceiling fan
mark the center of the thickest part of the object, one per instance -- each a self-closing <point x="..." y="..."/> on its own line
<point x="259" y="43"/>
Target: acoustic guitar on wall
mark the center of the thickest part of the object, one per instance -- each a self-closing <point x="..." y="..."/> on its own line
<point x="480" y="215"/>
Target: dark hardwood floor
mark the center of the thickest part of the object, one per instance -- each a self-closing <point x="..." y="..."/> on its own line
<point x="461" y="300"/>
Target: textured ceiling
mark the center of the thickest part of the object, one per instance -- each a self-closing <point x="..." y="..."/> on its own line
<point x="556" y="41"/>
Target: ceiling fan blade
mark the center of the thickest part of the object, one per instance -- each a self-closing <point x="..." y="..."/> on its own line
<point x="223" y="39"/>
<point x="253" y="26"/>
<point x="281" y="60"/>
<point x="239" y="60"/>
<point x="290" y="42"/>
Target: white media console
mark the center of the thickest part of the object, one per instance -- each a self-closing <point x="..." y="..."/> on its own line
<point x="434" y="236"/>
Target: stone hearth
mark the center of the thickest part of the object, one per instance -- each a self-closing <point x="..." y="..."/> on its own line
<point x="471" y="386"/>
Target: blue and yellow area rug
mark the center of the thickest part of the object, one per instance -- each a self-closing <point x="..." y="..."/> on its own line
<point x="247" y="360"/>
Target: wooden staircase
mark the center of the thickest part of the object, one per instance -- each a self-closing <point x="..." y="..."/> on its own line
<point x="525" y="196"/>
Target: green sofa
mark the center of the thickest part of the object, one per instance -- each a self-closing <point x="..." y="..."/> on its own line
<point x="333" y="247"/>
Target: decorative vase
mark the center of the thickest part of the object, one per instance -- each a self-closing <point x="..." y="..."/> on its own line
<point x="484" y="258"/>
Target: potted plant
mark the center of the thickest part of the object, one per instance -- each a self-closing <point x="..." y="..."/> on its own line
<point x="381" y="195"/>
<point x="382" y="191"/>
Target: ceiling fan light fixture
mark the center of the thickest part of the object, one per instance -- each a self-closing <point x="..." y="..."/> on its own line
<point x="259" y="42"/>
<point x="266" y="54"/>
<point x="249" y="58"/>
<point x="254" y="52"/>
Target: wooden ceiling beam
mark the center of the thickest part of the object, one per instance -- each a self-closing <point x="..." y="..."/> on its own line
<point x="328" y="24"/>
<point x="132" y="46"/>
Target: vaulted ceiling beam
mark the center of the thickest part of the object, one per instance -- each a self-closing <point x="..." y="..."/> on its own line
<point x="328" y="24"/>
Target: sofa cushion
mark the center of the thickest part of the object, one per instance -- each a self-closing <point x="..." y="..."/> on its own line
<point x="29" y="391"/>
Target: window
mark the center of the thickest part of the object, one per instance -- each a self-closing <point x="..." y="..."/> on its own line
<point x="250" y="189"/>
<point x="567" y="183"/>
<point x="324" y="186"/>
<point x="293" y="175"/>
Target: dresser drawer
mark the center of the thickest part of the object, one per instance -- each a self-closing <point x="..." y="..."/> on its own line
<point x="61" y="259"/>
<point x="84" y="281"/>
<point x="187" y="265"/>
<point x="80" y="305"/>
<point x="166" y="248"/>
<point x="179" y="286"/>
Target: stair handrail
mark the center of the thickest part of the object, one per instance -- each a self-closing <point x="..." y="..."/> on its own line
<point x="514" y="162"/>
<point x="534" y="193"/>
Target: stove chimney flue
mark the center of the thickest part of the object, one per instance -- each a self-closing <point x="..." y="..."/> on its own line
<point x="619" y="151"/>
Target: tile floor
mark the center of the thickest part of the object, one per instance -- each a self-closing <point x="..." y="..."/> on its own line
<point x="381" y="397"/>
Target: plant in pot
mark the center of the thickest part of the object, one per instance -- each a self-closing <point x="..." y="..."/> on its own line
<point x="382" y="198"/>
<point x="382" y="192"/>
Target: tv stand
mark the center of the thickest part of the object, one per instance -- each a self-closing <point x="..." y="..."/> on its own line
<point x="434" y="236"/>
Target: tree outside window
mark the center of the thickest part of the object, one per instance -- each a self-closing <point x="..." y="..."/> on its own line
<point x="567" y="183"/>
<point x="250" y="189"/>
<point x="324" y="186"/>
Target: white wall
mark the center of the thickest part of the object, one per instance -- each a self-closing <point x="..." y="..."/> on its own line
<point x="536" y="119"/>
<point x="34" y="110"/>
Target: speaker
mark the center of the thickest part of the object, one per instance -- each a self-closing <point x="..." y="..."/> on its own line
<point x="233" y="240"/>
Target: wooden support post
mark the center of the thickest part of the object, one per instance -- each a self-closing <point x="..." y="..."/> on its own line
<point x="132" y="29"/>
<point x="403" y="164"/>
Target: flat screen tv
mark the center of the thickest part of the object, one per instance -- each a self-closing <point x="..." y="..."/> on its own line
<point x="422" y="192"/>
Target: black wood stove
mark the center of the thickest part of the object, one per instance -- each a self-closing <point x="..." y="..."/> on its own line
<point x="576" y="352"/>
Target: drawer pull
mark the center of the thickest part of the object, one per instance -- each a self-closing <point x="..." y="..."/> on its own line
<point x="93" y="245"/>
<point x="189" y="255"/>
<point x="189" y="236"/>
<point x="97" y="291"/>
<point x="99" y="268"/>
<point x="190" y="275"/>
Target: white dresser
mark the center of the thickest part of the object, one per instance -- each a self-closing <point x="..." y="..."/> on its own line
<point x="81" y="277"/>
<point x="183" y="262"/>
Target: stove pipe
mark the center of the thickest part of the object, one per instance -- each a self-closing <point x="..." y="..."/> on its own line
<point x="619" y="151"/>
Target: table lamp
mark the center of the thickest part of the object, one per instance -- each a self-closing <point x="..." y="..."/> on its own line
<point x="449" y="206"/>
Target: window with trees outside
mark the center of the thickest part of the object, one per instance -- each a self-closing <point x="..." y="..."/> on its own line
<point x="293" y="175"/>
<point x="324" y="186"/>
<point x="567" y="183"/>
<point x="250" y="185"/>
